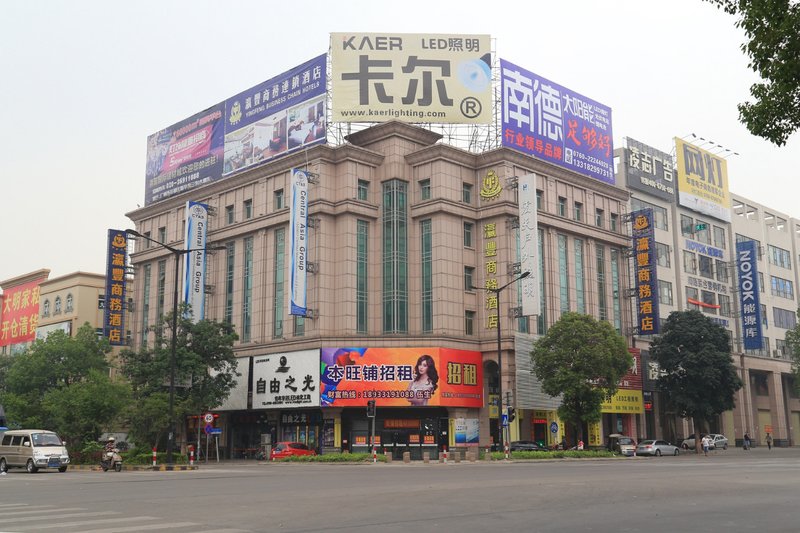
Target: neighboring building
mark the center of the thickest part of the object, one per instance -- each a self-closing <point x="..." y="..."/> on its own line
<point x="401" y="227"/>
<point x="19" y="314"/>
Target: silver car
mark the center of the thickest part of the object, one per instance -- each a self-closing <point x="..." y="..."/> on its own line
<point x="657" y="448"/>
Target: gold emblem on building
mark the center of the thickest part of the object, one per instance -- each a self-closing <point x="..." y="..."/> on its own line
<point x="491" y="189"/>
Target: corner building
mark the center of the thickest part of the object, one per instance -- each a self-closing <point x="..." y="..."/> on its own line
<point x="402" y="228"/>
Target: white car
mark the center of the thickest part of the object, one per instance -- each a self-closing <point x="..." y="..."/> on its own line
<point x="717" y="441"/>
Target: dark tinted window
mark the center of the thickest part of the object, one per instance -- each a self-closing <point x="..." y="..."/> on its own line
<point x="6" y="440"/>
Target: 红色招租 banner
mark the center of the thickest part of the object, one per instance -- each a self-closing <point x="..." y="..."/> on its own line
<point x="702" y="181"/>
<point x="401" y="377"/>
<point x="411" y="77"/>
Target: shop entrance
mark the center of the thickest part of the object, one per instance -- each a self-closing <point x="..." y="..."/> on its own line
<point x="397" y="431"/>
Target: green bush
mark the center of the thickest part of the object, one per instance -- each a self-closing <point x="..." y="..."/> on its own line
<point x="334" y="458"/>
<point x="138" y="456"/>
<point x="559" y="454"/>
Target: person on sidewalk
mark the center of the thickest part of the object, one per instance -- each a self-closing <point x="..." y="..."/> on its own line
<point x="746" y="443"/>
<point x="769" y="441"/>
<point x="706" y="444"/>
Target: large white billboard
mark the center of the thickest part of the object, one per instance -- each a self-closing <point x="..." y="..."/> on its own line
<point x="286" y="380"/>
<point x="194" y="265"/>
<point x="298" y="242"/>
<point x="529" y="245"/>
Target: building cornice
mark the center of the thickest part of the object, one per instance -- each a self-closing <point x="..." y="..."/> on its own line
<point x="25" y="278"/>
<point x="393" y="128"/>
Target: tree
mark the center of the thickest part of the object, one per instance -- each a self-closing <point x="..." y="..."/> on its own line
<point x="773" y="30"/>
<point x="793" y="344"/>
<point x="583" y="360"/>
<point x="205" y="373"/>
<point x="62" y="383"/>
<point x="698" y="377"/>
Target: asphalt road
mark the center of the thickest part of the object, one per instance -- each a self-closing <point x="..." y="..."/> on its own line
<point x="728" y="491"/>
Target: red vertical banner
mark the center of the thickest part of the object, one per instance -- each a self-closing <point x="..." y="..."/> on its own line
<point x="20" y="313"/>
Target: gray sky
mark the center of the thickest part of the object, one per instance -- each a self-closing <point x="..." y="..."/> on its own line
<point x="85" y="82"/>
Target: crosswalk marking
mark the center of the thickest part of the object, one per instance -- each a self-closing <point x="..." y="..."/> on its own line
<point x="28" y="510"/>
<point x="17" y="520"/>
<point x="142" y="528"/>
<point x="127" y="519"/>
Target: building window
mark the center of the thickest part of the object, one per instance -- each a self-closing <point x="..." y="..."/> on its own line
<point x="710" y="300"/>
<point x="278" y="199"/>
<point x="764" y="321"/>
<point x="761" y="284"/>
<point x="663" y="258"/>
<point x="46" y="308"/>
<point x="702" y="232"/>
<point x="57" y="306"/>
<point x="469" y="322"/>
<point x="782" y="287"/>
<point x="779" y="257"/>
<point x="706" y="265"/>
<point x="719" y="237"/>
<point x="466" y="193"/>
<point x="162" y="234"/>
<point x="689" y="262"/>
<point x="146" y="301"/>
<point x="68" y="306"/>
<point x="659" y="213"/>
<point x="229" y="214"/>
<point x="563" y="273"/>
<point x="247" y="290"/>
<point x="577" y="211"/>
<point x="425" y="189"/>
<point x="541" y="322"/>
<point x="580" y="290"/>
<point x="562" y="206"/>
<point x="395" y="256"/>
<point x="248" y="209"/>
<point x="230" y="274"/>
<point x="469" y="278"/>
<point x="614" y="222"/>
<point x="783" y="318"/>
<point x="599" y="218"/>
<point x="725" y="308"/>
<point x="539" y="199"/>
<point x="601" y="282"/>
<point x="278" y="305"/>
<point x="426" y="235"/>
<point x="687" y="226"/>
<point x="147" y="240"/>
<point x="665" y="292"/>
<point x="362" y="274"/>
<point x="161" y="284"/>
<point x="692" y="298"/>
<point x="469" y="227"/>
<point x="616" y="288"/>
<point x="722" y="271"/>
<point x="363" y="190"/>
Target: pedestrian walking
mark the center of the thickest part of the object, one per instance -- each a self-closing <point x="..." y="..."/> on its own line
<point x="746" y="443"/>
<point x="706" y="444"/>
<point x="769" y="441"/>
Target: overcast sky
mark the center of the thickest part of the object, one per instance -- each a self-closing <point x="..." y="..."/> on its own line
<point x="85" y="82"/>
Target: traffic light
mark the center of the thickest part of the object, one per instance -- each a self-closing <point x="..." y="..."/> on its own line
<point x="511" y="414"/>
<point x="371" y="408"/>
<point x="700" y="226"/>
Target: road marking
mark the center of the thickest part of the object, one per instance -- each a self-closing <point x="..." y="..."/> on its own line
<point x="30" y="510"/>
<point x="85" y="523"/>
<point x="142" y="528"/>
<point x="50" y="517"/>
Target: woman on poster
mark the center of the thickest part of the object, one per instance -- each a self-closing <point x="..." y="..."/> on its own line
<point x="425" y="381"/>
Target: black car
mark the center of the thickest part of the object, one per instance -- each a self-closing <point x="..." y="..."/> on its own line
<point x="526" y="446"/>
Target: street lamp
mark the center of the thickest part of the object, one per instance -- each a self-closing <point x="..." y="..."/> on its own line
<point x="174" y="348"/>
<point x="497" y="291"/>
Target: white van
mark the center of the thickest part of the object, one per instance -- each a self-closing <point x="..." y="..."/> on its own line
<point x="32" y="449"/>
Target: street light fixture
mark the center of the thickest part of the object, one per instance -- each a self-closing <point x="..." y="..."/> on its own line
<point x="174" y="347"/>
<point x="498" y="291"/>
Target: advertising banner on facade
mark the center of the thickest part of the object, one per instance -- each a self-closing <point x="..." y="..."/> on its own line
<point x="20" y="314"/>
<point x="702" y="181"/>
<point x="646" y="276"/>
<point x="286" y="380"/>
<point x="466" y="431"/>
<point x="529" y="245"/>
<point x="554" y="124"/>
<point x="649" y="170"/>
<point x="277" y="116"/>
<point x="410" y="77"/>
<point x="115" y="305"/>
<point x="401" y="377"/>
<point x="185" y="155"/>
<point x="237" y="399"/>
<point x="43" y="331"/>
<point x="298" y="242"/>
<point x="747" y="268"/>
<point x="624" y="401"/>
<point x="194" y="267"/>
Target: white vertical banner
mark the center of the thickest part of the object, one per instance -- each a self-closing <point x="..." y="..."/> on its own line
<point x="529" y="245"/>
<point x="298" y="243"/>
<point x="194" y="264"/>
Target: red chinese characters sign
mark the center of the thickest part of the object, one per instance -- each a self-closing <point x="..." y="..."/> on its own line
<point x="20" y="314"/>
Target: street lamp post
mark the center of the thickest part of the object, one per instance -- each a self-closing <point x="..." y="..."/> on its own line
<point x="498" y="291"/>
<point x="174" y="345"/>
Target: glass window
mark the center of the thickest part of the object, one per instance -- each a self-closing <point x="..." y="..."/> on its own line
<point x="689" y="262"/>
<point x="147" y="240"/>
<point x="57" y="307"/>
<point x="782" y="287"/>
<point x="706" y="265"/>
<point x="230" y="275"/>
<point x="563" y="273"/>
<point x="663" y="257"/>
<point x="69" y="304"/>
<point x="692" y="298"/>
<point x="764" y="321"/>
<point x="469" y="227"/>
<point x="162" y="234"/>
<point x="659" y="213"/>
<point x="278" y="281"/>
<point x="722" y="271"/>
<point x="601" y="282"/>
<point x="229" y="214"/>
<point x="779" y="257"/>
<point x="362" y="271"/>
<point x="539" y="199"/>
<point x="426" y="234"/>
<point x="363" y="190"/>
<point x="702" y="232"/>
<point x="562" y="206"/>
<point x="614" y="222"/>
<point x="710" y="300"/>
<point x="725" y="308"/>
<point x="577" y="211"/>
<point x="278" y="199"/>
<point x="425" y="189"/>
<point x="599" y="218"/>
<point x="469" y="322"/>
<point x="247" y="291"/>
<point x="248" y="209"/>
<point x="466" y="193"/>
<point x="719" y="237"/>
<point x="46" y="308"/>
<point x="580" y="293"/>
<point x="665" y="292"/>
<point x="783" y="318"/>
<point x="469" y="278"/>
<point x="687" y="226"/>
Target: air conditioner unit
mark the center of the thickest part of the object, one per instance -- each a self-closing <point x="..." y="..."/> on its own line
<point x="777" y="354"/>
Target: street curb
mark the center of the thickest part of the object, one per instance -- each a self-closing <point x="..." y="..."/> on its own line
<point x="138" y="468"/>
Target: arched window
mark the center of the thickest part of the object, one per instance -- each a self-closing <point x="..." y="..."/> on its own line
<point x="46" y="308"/>
<point x="68" y="308"/>
<point x="57" y="309"/>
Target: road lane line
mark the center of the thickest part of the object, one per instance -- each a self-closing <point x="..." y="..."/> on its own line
<point x="84" y="523"/>
<point x="149" y="527"/>
<point x="50" y="517"/>
<point x="43" y="511"/>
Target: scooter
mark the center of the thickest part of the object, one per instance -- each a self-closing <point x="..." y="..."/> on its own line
<point x="112" y="460"/>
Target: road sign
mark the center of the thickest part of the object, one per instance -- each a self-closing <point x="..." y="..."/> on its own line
<point x="505" y="420"/>
<point x="208" y="418"/>
<point x="208" y="429"/>
<point x="215" y="431"/>
<point x="553" y="428"/>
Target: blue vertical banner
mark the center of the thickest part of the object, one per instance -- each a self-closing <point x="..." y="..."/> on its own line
<point x="116" y="264"/>
<point x="746" y="267"/>
<point x="298" y="244"/>
<point x="645" y="264"/>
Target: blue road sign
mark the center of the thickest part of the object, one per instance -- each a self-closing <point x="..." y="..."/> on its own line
<point x="215" y="431"/>
<point x="505" y="420"/>
<point x="553" y="427"/>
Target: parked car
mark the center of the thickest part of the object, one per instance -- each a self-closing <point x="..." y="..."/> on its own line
<point x="656" y="447"/>
<point x="717" y="441"/>
<point x="621" y="444"/>
<point x="283" y="450"/>
<point x="526" y="446"/>
<point x="32" y="449"/>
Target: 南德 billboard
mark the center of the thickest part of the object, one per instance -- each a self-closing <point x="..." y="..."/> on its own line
<point x="277" y="116"/>
<point x="411" y="77"/>
<point x="185" y="155"/>
<point x="298" y="242"/>
<point x="286" y="379"/>
<point x="702" y="181"/>
<point x="194" y="267"/>
<point x="529" y="245"/>
<point x="407" y="377"/>
<point x="554" y="124"/>
<point x="649" y="170"/>
<point x="20" y="314"/>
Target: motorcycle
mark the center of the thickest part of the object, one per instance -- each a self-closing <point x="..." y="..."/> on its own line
<point x="111" y="459"/>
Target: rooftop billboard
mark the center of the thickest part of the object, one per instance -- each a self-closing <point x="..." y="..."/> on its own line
<point x="702" y="181"/>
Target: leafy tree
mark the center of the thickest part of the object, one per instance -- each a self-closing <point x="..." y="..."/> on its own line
<point x="698" y="377"/>
<point x="583" y="360"/>
<point x="205" y="373"/>
<point x="793" y="344"/>
<point x="772" y="28"/>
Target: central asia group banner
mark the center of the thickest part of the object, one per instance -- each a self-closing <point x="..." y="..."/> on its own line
<point x="554" y="124"/>
<point x="401" y="377"/>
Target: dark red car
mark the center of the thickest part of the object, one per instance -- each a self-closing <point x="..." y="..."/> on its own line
<point x="290" y="449"/>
